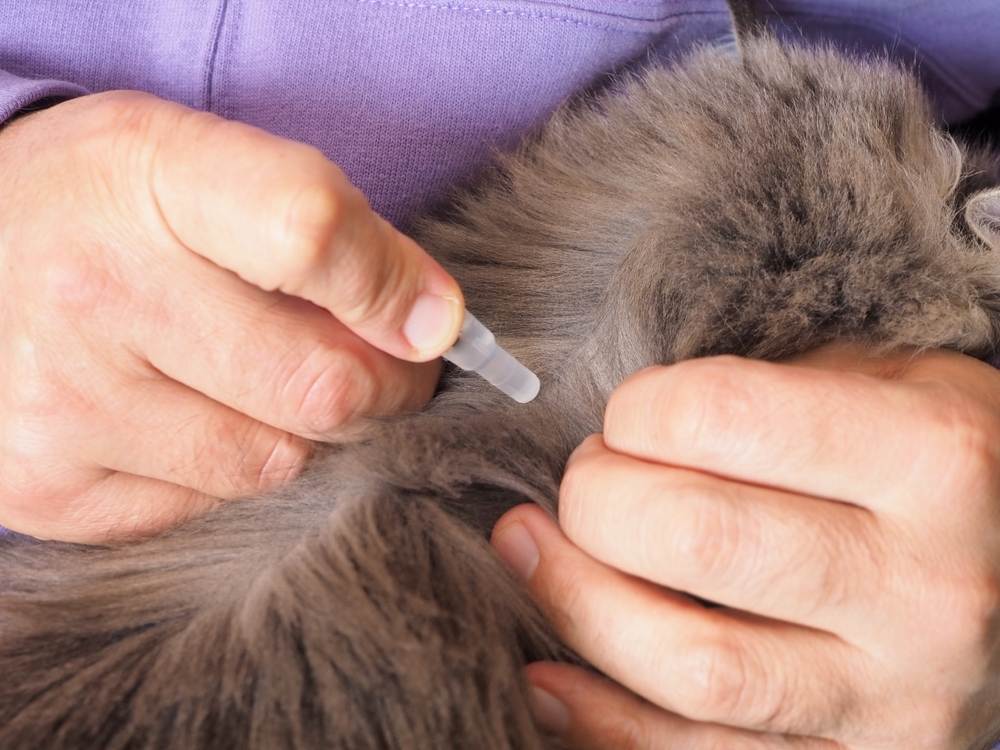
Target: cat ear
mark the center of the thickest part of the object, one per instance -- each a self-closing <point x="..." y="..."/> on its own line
<point x="982" y="214"/>
<point x="952" y="156"/>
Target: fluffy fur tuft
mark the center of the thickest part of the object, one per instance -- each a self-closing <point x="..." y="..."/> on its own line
<point x="758" y="207"/>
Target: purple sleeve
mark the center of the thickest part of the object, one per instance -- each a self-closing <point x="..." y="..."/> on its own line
<point x="16" y="92"/>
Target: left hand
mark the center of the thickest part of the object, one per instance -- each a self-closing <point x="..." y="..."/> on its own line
<point x="844" y="513"/>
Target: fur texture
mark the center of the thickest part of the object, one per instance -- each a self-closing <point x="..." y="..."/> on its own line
<point x="758" y="207"/>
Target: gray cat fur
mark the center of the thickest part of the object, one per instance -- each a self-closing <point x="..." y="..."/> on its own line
<point x="757" y="207"/>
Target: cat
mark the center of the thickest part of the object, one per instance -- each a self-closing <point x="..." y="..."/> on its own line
<point x="758" y="205"/>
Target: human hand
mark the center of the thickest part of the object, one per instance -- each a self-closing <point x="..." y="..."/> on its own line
<point x="185" y="303"/>
<point x="844" y="513"/>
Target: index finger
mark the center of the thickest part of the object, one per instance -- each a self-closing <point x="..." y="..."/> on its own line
<point x="283" y="217"/>
<point x="837" y="434"/>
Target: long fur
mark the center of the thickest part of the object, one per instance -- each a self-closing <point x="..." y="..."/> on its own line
<point x="757" y="206"/>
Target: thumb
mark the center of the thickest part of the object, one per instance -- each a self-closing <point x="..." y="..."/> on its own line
<point x="284" y="218"/>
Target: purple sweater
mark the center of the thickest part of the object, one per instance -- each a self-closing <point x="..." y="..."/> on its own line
<point x="409" y="96"/>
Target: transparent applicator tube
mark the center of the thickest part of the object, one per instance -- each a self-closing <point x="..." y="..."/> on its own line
<point x="477" y="350"/>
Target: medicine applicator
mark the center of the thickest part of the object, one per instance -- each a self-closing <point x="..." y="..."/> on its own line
<point x="477" y="350"/>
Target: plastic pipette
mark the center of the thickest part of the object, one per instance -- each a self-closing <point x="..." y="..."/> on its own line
<point x="477" y="350"/>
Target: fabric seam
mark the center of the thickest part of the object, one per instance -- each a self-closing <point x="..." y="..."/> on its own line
<point x="416" y="5"/>
<point x="213" y="51"/>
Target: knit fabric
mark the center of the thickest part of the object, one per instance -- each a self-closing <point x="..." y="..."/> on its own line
<point x="410" y="97"/>
<point x="407" y="97"/>
<point x="951" y="45"/>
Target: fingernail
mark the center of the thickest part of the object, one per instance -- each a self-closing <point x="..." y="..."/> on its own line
<point x="432" y="323"/>
<point x="517" y="549"/>
<point x="550" y="713"/>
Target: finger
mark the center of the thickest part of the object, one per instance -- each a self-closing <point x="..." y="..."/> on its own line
<point x="277" y="359"/>
<point x="701" y="663"/>
<point x="908" y="365"/>
<point x="806" y="430"/>
<point x="118" y="507"/>
<point x="849" y="356"/>
<point x="593" y="713"/>
<point x="178" y="436"/>
<point x="283" y="217"/>
<point x="731" y="543"/>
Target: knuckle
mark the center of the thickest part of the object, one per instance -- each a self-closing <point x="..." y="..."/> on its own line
<point x="708" y="400"/>
<point x="20" y="484"/>
<point x="30" y="500"/>
<point x="313" y="217"/>
<point x="703" y="402"/>
<point x="975" y="612"/>
<point x="211" y="455"/>
<point x="36" y="399"/>
<point x="117" y="107"/>
<point x="625" y="730"/>
<point x="281" y="463"/>
<point x="328" y="389"/>
<point x="968" y="433"/>
<point x="835" y="589"/>
<point x="842" y="538"/>
<point x="250" y="458"/>
<point x="328" y="403"/>
<point x="716" y="537"/>
<point x="32" y="438"/>
<point x="719" y="681"/>
<point x="116" y="144"/>
<point x="75" y="285"/>
<point x="117" y="101"/>
<point x="120" y="117"/>
<point x="728" y="683"/>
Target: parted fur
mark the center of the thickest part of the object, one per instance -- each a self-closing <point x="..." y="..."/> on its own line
<point x="757" y="206"/>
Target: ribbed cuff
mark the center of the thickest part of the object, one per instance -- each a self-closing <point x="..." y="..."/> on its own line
<point x="17" y="93"/>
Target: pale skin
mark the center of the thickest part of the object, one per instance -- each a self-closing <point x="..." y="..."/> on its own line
<point x="187" y="305"/>
<point x="843" y="511"/>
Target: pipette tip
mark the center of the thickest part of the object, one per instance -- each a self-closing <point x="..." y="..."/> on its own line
<point x="477" y="350"/>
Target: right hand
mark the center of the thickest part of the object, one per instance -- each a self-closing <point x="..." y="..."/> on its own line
<point x="185" y="303"/>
